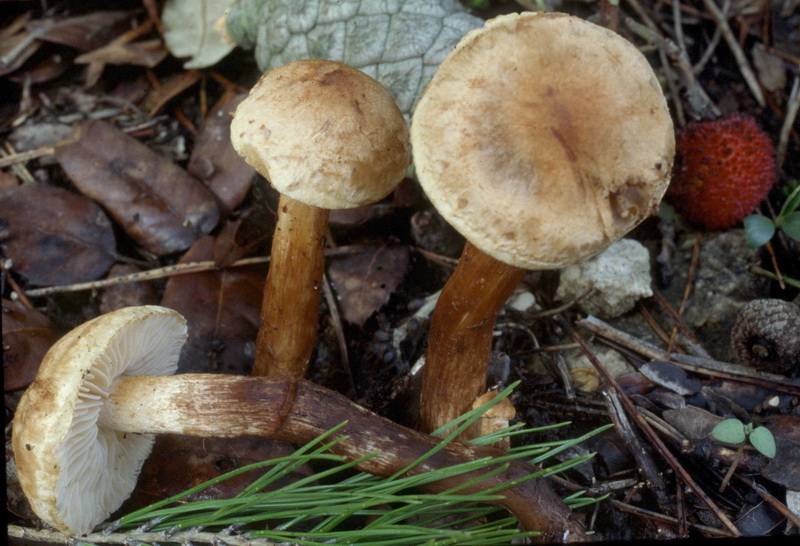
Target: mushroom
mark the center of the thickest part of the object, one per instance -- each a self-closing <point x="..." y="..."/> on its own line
<point x="542" y="138"/>
<point x="326" y="136"/>
<point x="85" y="425"/>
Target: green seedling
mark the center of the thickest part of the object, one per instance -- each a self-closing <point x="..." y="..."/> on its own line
<point x="758" y="229"/>
<point x="733" y="431"/>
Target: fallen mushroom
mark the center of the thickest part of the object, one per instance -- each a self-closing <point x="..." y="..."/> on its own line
<point x="326" y="136"/>
<point x="85" y="425"/>
<point x="542" y="138"/>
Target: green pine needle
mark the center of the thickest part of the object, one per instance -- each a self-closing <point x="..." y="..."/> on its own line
<point x="341" y="505"/>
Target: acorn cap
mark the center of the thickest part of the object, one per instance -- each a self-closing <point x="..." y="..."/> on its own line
<point x="323" y="133"/>
<point x="543" y="138"/>
<point x="73" y="470"/>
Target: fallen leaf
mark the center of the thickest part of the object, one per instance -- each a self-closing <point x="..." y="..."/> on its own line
<point x="82" y="32"/>
<point x="670" y="377"/>
<point x="365" y="281"/>
<point x="783" y="468"/>
<point x="17" y="44"/>
<point x="27" y="336"/>
<point x="223" y="311"/>
<point x="215" y="162"/>
<point x="145" y="53"/>
<point x="56" y="236"/>
<point x="196" y="29"/>
<point x="161" y="206"/>
<point x="174" y="86"/>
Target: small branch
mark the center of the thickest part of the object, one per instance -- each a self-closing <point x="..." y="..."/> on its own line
<point x="792" y="107"/>
<point x="184" y="537"/>
<point x="741" y="59"/>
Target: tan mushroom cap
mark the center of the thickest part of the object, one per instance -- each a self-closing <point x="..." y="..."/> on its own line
<point x="543" y="138"/>
<point x="74" y="471"/>
<point x="323" y="133"/>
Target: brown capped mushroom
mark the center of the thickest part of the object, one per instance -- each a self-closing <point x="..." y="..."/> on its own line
<point x="84" y="427"/>
<point x="326" y="136"/>
<point x="542" y="138"/>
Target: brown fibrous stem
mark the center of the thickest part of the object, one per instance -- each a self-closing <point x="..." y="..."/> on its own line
<point x="290" y="308"/>
<point x="460" y="340"/>
<point x="298" y="411"/>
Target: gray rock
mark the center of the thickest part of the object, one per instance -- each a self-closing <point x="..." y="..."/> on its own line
<point x="617" y="278"/>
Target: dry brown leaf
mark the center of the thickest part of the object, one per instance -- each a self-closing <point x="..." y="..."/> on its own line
<point x="27" y="335"/>
<point x="365" y="281"/>
<point x="83" y="32"/>
<point x="174" y="86"/>
<point x="145" y="53"/>
<point x="222" y="309"/>
<point x="215" y="162"/>
<point x="56" y="236"/>
<point x="161" y="206"/>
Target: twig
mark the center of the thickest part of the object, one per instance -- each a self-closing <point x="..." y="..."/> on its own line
<point x="163" y="272"/>
<point x="184" y="537"/>
<point x="741" y="59"/>
<point x="336" y="317"/>
<point x="625" y="507"/>
<point x="645" y="463"/>
<point x="645" y="427"/>
<point x="706" y="366"/>
<point x="24" y="157"/>
<point x="792" y="107"/>
<point x="772" y="501"/>
<point x="687" y="289"/>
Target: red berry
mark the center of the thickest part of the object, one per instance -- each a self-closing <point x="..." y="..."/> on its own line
<point x="723" y="170"/>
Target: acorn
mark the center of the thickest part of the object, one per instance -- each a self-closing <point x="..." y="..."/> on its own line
<point x="766" y="335"/>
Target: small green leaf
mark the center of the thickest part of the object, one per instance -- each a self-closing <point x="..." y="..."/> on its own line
<point x="730" y="431"/>
<point x="758" y="230"/>
<point x="763" y="441"/>
<point x="791" y="225"/>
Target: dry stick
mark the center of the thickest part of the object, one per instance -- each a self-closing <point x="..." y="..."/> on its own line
<point x="644" y="462"/>
<point x="189" y="536"/>
<point x="23" y="157"/>
<point x="793" y="105"/>
<point x="687" y="289"/>
<point x="185" y="268"/>
<point x="741" y="59"/>
<point x="772" y="501"/>
<point x="299" y="411"/>
<point x="706" y="366"/>
<point x="648" y="430"/>
<point x="149" y="275"/>
<point x="642" y="512"/>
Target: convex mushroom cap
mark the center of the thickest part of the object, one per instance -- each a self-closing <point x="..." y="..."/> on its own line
<point x="323" y="133"/>
<point x="74" y="471"/>
<point x="543" y="138"/>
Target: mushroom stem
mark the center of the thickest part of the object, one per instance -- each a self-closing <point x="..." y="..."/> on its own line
<point x="460" y="339"/>
<point x="290" y="308"/>
<point x="298" y="411"/>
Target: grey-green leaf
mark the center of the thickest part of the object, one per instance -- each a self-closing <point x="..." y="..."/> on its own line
<point x="730" y="431"/>
<point x="195" y="29"/>
<point x="791" y="225"/>
<point x="763" y="441"/>
<point x="399" y="43"/>
<point x="758" y="230"/>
